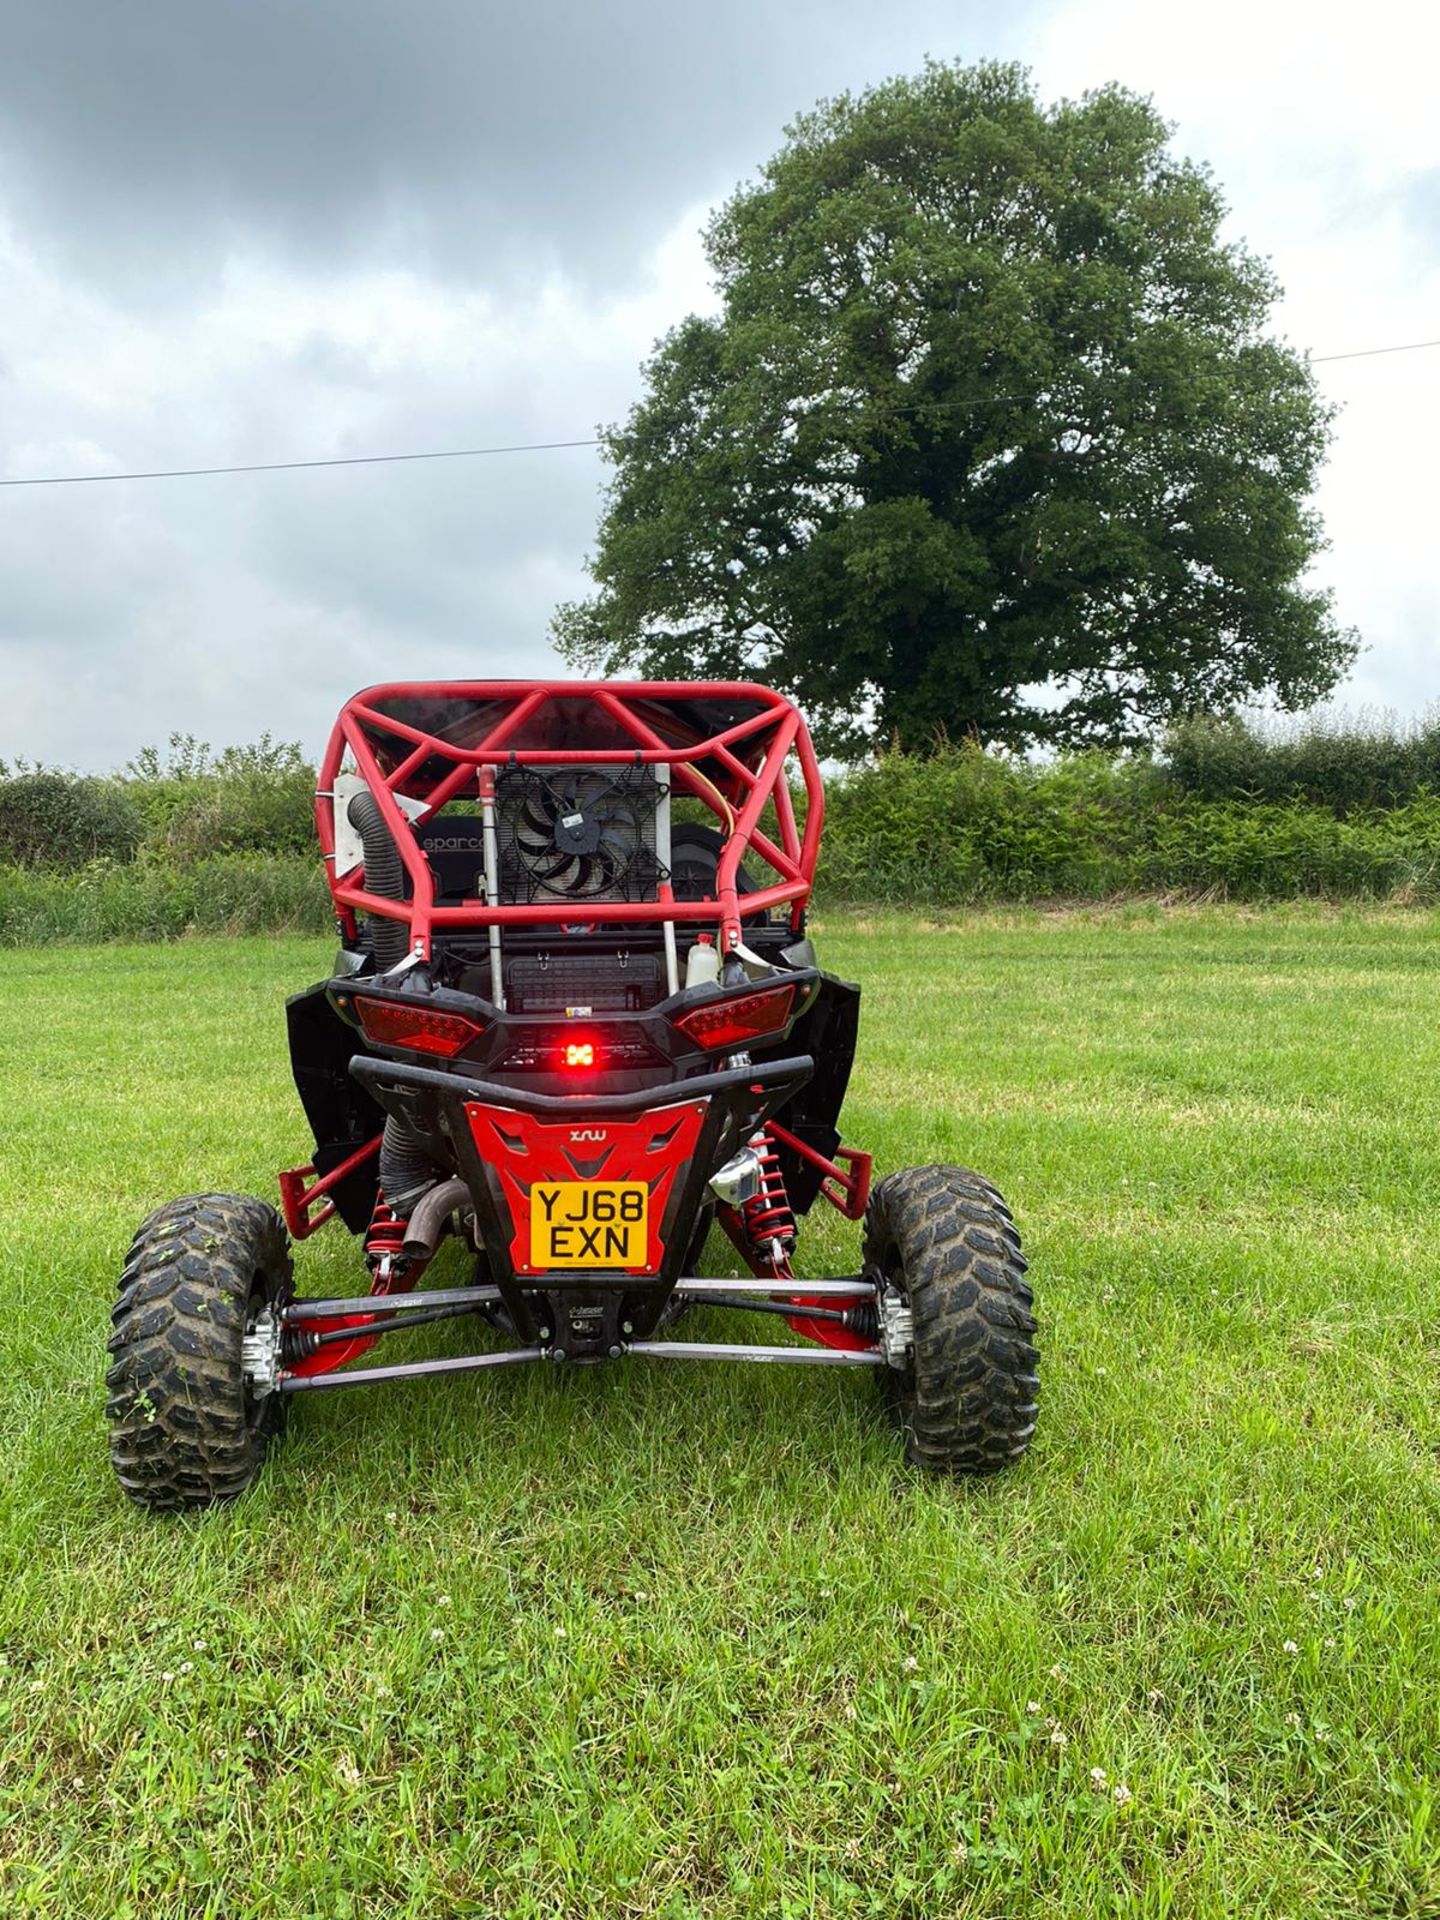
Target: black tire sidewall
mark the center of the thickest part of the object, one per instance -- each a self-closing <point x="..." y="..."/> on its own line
<point x="184" y="1428"/>
<point x="944" y="1237"/>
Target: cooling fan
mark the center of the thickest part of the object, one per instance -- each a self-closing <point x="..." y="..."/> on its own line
<point x="578" y="833"/>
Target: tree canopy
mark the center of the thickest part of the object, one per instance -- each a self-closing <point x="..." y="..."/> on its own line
<point x="987" y="439"/>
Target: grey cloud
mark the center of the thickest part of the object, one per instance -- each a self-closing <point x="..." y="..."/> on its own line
<point x="146" y="150"/>
<point x="168" y="165"/>
<point x="469" y="140"/>
<point x="226" y="604"/>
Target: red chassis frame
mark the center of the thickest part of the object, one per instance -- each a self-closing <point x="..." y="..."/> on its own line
<point x="748" y="778"/>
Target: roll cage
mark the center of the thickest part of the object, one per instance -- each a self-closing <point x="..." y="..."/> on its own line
<point x="728" y="744"/>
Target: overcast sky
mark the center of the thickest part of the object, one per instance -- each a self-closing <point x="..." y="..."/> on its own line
<point x="249" y="230"/>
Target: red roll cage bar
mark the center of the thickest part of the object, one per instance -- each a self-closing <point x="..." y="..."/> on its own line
<point x="734" y="769"/>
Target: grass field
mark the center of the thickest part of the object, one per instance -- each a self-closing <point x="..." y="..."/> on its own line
<point x="657" y="1642"/>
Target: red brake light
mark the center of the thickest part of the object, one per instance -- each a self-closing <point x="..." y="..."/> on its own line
<point x="389" y="1023"/>
<point x="579" y="1055"/>
<point x="735" y="1023"/>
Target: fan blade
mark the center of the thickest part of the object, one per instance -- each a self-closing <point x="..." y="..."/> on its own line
<point x="594" y="881"/>
<point x="609" y="872"/>
<point x="600" y="876"/>
<point x="587" y="786"/>
<point x="540" y="815"/>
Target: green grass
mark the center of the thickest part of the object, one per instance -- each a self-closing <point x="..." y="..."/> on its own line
<point x="664" y="1642"/>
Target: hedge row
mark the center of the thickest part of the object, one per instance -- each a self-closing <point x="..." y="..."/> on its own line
<point x="188" y="806"/>
<point x="1326" y="761"/>
<point x="943" y="840"/>
<point x="963" y="828"/>
<point x="141" y="900"/>
<point x="225" y="845"/>
<point x="191" y="803"/>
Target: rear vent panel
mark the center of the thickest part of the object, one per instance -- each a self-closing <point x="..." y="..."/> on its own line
<point x="605" y="983"/>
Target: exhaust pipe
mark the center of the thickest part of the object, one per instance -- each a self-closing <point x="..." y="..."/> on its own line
<point x="427" y="1222"/>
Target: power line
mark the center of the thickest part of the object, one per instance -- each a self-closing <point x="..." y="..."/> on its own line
<point x="534" y="446"/>
<point x="1367" y="353"/>
<point x="291" y="466"/>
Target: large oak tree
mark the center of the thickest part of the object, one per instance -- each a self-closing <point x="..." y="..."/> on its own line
<point x="987" y="439"/>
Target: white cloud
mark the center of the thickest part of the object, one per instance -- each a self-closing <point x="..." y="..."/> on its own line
<point x="1319" y="123"/>
<point x="221" y="605"/>
<point x="225" y="605"/>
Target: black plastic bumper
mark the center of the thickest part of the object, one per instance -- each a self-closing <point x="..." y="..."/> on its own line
<point x="773" y="1077"/>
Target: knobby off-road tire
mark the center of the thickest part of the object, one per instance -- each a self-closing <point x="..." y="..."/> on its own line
<point x="185" y="1429"/>
<point x="944" y="1238"/>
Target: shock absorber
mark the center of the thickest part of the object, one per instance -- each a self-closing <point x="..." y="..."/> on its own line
<point x="383" y="1240"/>
<point x="766" y="1218"/>
<point x="389" y="1273"/>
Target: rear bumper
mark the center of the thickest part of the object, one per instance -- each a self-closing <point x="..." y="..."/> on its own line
<point x="775" y="1079"/>
<point x="504" y="1139"/>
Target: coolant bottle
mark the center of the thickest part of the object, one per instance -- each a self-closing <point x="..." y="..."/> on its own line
<point x="702" y="964"/>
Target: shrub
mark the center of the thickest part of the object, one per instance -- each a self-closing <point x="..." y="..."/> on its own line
<point x="967" y="825"/>
<point x="252" y="799"/>
<point x="228" y="894"/>
<point x="56" y="819"/>
<point x="205" y="843"/>
<point x="1327" y="760"/>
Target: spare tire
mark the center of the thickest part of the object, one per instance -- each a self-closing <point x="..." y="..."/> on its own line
<point x="695" y="864"/>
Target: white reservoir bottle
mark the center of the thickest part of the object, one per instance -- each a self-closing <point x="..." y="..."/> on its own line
<point x="702" y="964"/>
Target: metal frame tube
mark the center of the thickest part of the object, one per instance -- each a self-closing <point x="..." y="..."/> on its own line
<point x="298" y="1312"/>
<point x="666" y="891"/>
<point x="410" y="1370"/>
<point x="398" y="1322"/>
<point x="784" y="1356"/>
<point x="492" y="881"/>
<point x="739" y="1303"/>
<point x="775" y="727"/>
<point x="857" y="1289"/>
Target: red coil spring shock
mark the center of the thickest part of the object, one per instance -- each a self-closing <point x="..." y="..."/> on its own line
<point x="383" y="1241"/>
<point x="766" y="1219"/>
<point x="304" y="1352"/>
<point x="763" y="1229"/>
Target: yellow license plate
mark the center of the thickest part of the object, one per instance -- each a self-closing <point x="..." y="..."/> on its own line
<point x="589" y="1223"/>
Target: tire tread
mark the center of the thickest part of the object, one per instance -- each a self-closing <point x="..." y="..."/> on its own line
<point x="180" y="1431"/>
<point x="968" y="1403"/>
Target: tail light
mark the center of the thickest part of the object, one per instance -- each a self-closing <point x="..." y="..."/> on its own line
<point x="727" y="1024"/>
<point x="390" y="1023"/>
<point x="615" y="1050"/>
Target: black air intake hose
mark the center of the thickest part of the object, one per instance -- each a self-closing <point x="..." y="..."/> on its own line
<point x="406" y="1168"/>
<point x="384" y="875"/>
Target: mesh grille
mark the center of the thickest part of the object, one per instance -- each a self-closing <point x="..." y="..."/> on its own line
<point x="606" y="983"/>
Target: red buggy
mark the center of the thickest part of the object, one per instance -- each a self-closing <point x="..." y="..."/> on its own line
<point x="574" y="1021"/>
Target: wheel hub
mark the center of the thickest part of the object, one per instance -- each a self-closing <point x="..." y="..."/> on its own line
<point x="897" y="1329"/>
<point x="260" y="1353"/>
